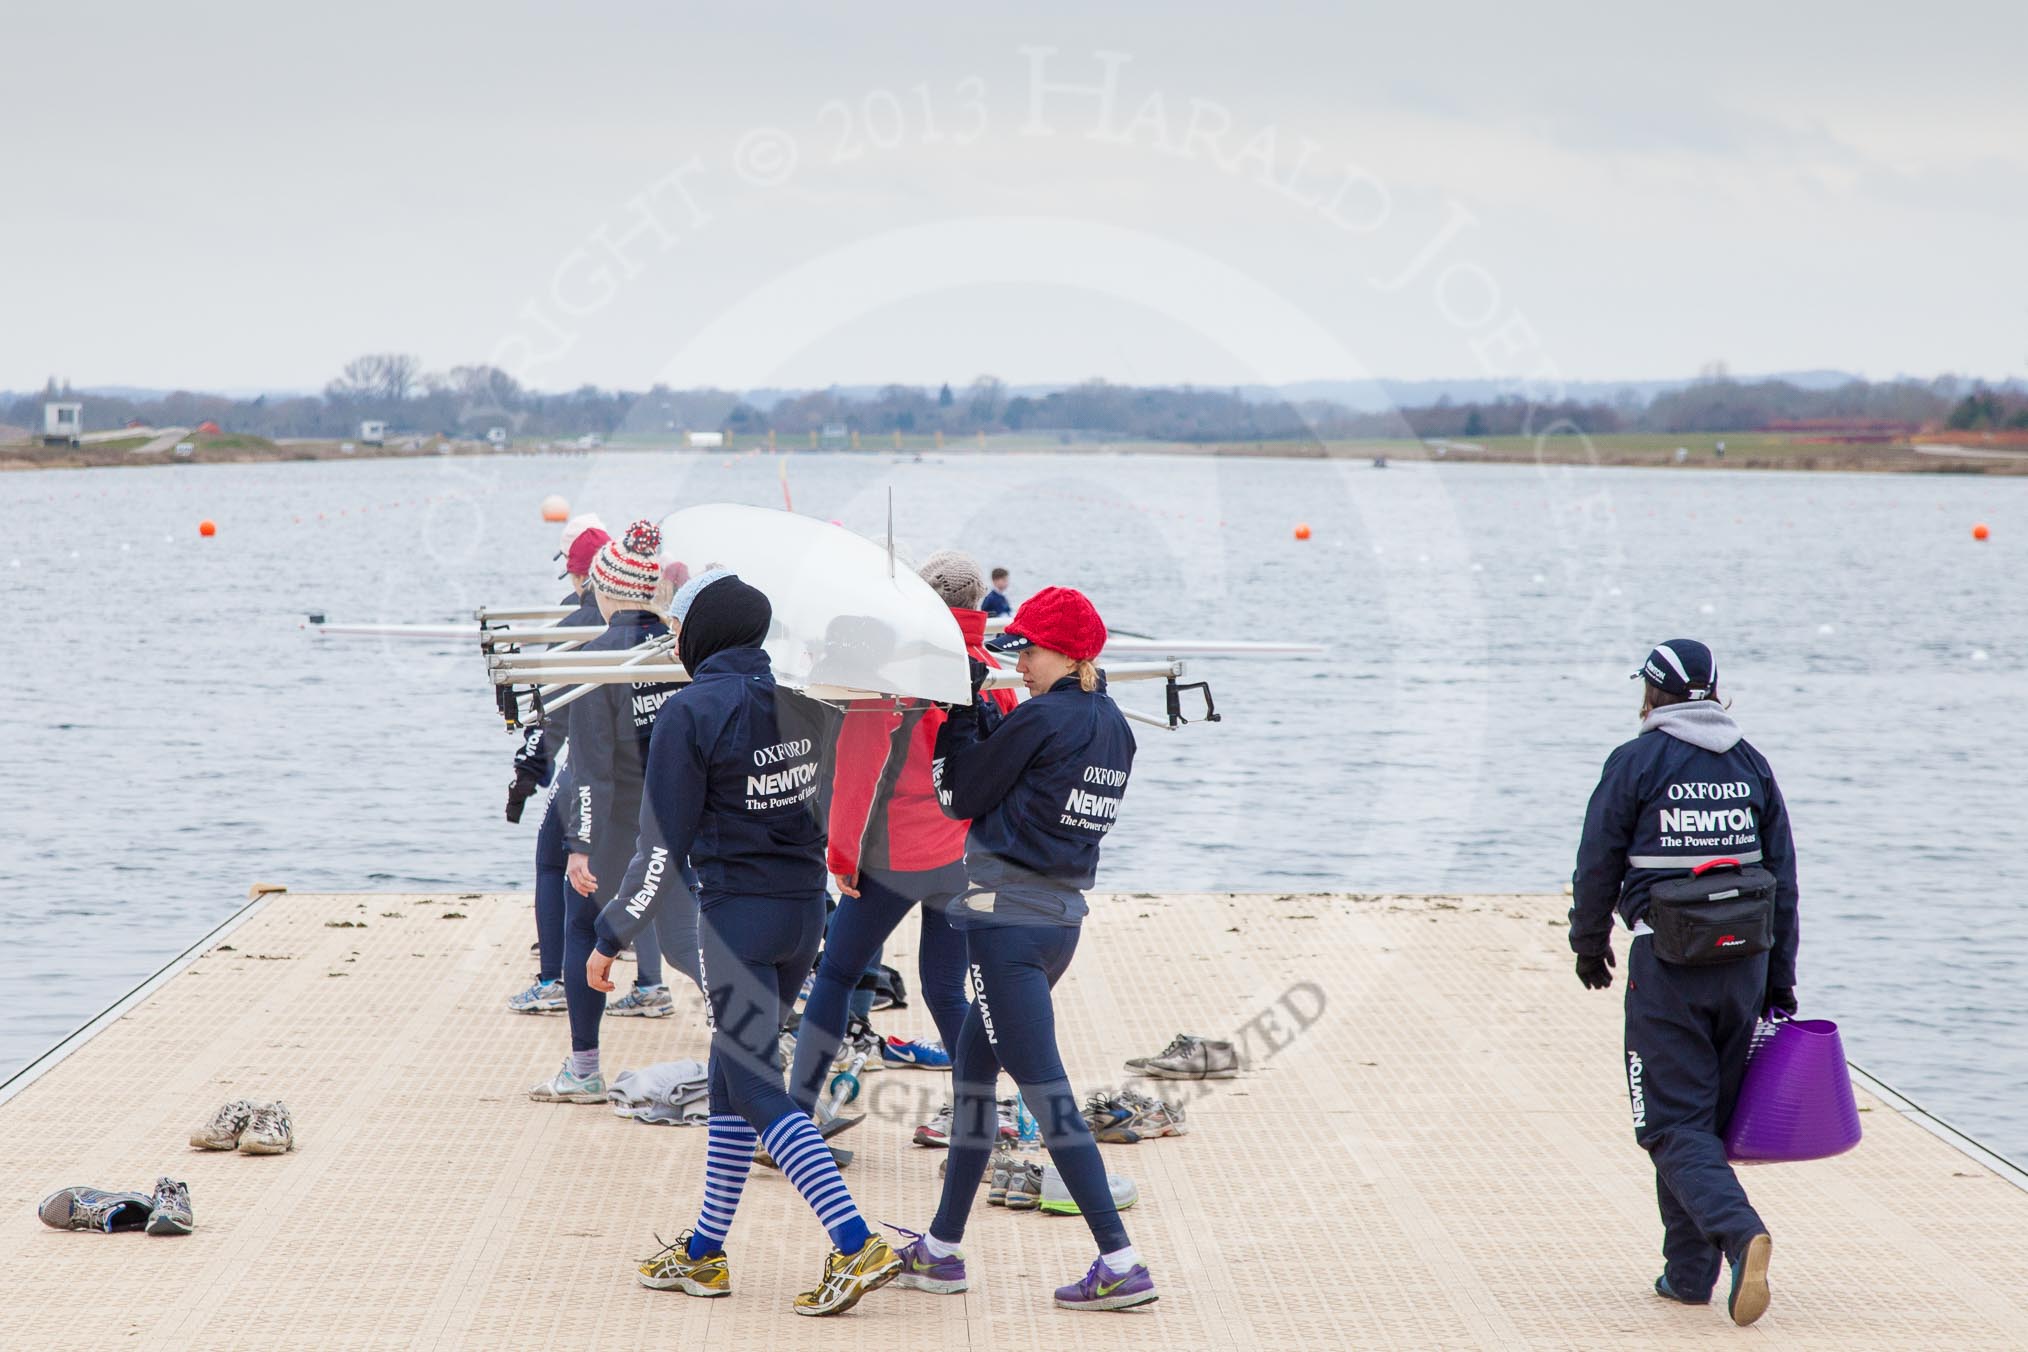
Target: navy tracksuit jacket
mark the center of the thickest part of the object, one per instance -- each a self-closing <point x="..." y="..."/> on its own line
<point x="1687" y="790"/>
<point x="540" y="742"/>
<point x="609" y="731"/>
<point x="1042" y="787"/>
<point x="1665" y="805"/>
<point x="733" y="776"/>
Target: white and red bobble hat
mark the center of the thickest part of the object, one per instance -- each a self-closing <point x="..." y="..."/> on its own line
<point x="627" y="569"/>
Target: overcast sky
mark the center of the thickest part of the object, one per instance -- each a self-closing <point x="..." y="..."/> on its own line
<point x="246" y="195"/>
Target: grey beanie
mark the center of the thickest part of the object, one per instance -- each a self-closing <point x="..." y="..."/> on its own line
<point x="954" y="575"/>
<point x="679" y="606"/>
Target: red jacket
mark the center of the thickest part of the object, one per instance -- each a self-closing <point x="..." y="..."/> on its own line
<point x="886" y="750"/>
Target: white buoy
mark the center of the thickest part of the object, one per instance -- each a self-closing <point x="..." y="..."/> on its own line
<point x="1827" y="629"/>
<point x="1707" y="609"/>
<point x="1978" y="654"/>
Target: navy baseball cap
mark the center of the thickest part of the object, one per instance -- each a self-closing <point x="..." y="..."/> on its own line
<point x="1682" y="666"/>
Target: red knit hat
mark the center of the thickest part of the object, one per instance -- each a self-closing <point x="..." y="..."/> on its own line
<point x="1057" y="618"/>
<point x="627" y="569"/>
<point x="578" y="558"/>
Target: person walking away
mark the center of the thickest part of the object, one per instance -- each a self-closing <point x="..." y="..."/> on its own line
<point x="892" y="849"/>
<point x="609" y="730"/>
<point x="732" y="782"/>
<point x="1041" y="787"/>
<point x="1686" y="820"/>
<point x="996" y="601"/>
<point x="535" y="765"/>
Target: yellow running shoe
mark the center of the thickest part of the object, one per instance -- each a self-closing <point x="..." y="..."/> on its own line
<point x="848" y="1276"/>
<point x="673" y="1269"/>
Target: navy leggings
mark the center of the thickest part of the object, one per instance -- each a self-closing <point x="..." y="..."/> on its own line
<point x="1012" y="1025"/>
<point x="757" y="950"/>
<point x="674" y="934"/>
<point x="858" y="930"/>
<point x="550" y="885"/>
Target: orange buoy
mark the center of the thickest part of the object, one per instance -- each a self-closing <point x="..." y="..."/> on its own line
<point x="207" y="528"/>
<point x="1302" y="530"/>
<point x="1979" y="532"/>
<point x="554" y="508"/>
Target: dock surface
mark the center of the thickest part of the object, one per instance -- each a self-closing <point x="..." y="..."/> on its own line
<point x="1431" y="1149"/>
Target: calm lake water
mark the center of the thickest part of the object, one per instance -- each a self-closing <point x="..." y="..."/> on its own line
<point x="172" y="733"/>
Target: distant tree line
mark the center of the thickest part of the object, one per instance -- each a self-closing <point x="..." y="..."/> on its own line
<point x="1984" y="410"/>
<point x="469" y="400"/>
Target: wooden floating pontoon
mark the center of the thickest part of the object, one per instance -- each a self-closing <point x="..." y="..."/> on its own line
<point x="1430" y="1150"/>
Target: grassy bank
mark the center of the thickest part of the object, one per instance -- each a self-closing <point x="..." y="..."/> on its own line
<point x="228" y="448"/>
<point x="1964" y="454"/>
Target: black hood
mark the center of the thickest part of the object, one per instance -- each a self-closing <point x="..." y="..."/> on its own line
<point x="726" y="614"/>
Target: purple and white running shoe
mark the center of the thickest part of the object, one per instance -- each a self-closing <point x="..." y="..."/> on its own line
<point x="1104" y="1289"/>
<point x="925" y="1271"/>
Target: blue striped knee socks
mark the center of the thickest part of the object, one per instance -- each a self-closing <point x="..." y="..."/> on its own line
<point x="795" y="1145"/>
<point x="728" y="1158"/>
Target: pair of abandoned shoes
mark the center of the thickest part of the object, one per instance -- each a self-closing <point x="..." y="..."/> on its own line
<point x="166" y="1212"/>
<point x="248" y="1127"/>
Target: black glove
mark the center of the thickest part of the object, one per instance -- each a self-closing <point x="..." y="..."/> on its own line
<point x="979" y="670"/>
<point x="1595" y="970"/>
<point x="520" y="791"/>
<point x="1782" y="998"/>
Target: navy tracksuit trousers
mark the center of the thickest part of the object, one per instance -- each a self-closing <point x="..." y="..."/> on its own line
<point x="1012" y="1026"/>
<point x="1688" y="1033"/>
<point x="858" y="930"/>
<point x="550" y="884"/>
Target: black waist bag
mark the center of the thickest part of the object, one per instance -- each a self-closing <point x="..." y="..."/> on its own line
<point x="1722" y="912"/>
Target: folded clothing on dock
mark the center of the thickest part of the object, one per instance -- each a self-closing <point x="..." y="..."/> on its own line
<point x="668" y="1093"/>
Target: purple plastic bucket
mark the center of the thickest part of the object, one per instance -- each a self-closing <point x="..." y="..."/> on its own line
<point x="1796" y="1103"/>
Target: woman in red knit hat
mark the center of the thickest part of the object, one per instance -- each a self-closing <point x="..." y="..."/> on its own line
<point x="1041" y="787"/>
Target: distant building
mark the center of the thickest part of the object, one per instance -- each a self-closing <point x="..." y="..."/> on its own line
<point x="835" y="434"/>
<point x="699" y="440"/>
<point x="372" y="432"/>
<point x="497" y="437"/>
<point x="62" y="424"/>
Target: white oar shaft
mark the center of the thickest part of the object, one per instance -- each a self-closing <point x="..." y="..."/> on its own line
<point x="573" y="633"/>
<point x="1208" y="647"/>
<point x="486" y="614"/>
<point x="656" y="650"/>
<point x="631" y="672"/>
<point x="434" y="632"/>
